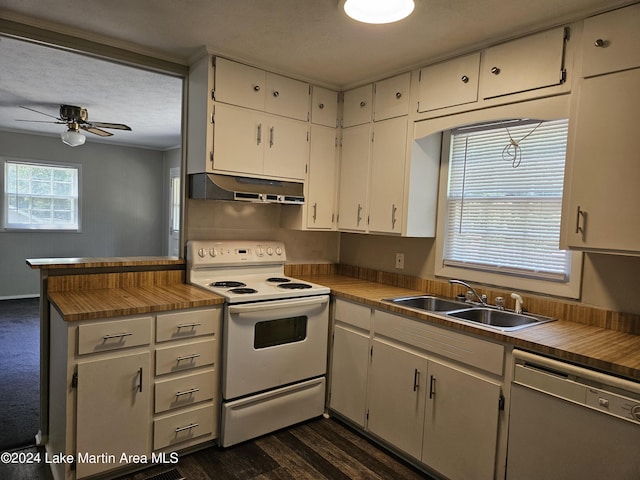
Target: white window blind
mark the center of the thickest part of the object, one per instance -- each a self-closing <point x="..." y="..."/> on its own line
<point x="504" y="199"/>
<point x="40" y="196"/>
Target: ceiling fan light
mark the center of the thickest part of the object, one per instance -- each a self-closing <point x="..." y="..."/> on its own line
<point x="378" y="11"/>
<point x="73" y="138"/>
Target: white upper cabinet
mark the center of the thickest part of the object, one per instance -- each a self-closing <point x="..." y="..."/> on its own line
<point x="239" y="84"/>
<point x="322" y="184"/>
<point x="354" y="175"/>
<point x="358" y="106"/>
<point x="524" y="64"/>
<point x="454" y="82"/>
<point x="287" y="97"/>
<point x="324" y="107"/>
<point x="391" y="97"/>
<point x="611" y="41"/>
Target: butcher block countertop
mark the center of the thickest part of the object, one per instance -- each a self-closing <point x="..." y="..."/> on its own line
<point x="93" y="304"/>
<point x="603" y="349"/>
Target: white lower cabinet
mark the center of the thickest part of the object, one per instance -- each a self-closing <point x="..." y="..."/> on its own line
<point x="432" y="393"/>
<point x="125" y="389"/>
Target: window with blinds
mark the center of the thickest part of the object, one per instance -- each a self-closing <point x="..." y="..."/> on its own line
<point x="504" y="199"/>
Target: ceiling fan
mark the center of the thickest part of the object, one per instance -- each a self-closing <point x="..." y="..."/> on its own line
<point x="76" y="119"/>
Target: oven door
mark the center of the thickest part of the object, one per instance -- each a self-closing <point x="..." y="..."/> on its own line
<point x="274" y="343"/>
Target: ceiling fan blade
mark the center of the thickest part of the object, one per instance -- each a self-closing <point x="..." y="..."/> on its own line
<point x="40" y="121"/>
<point x="115" y="126"/>
<point x="96" y="131"/>
<point x="37" y="111"/>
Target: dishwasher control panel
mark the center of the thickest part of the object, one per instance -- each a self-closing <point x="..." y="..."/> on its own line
<point x="613" y="404"/>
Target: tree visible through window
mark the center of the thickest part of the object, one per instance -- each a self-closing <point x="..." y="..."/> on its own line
<point x="504" y="199"/>
<point x="40" y="196"/>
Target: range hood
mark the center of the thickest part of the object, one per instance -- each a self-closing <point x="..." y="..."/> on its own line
<point x="213" y="186"/>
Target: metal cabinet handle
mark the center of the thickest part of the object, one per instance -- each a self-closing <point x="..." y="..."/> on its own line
<point x="398" y="95"/>
<point x="187" y="392"/>
<point x="464" y="79"/>
<point x="600" y="43"/>
<point x="188" y="427"/>
<point x="495" y="70"/>
<point x="393" y="215"/>
<point x="188" y="325"/>
<point x="580" y="226"/>
<point x="432" y="386"/>
<point x="140" y="378"/>
<point x="256" y="88"/>
<point x="315" y="212"/>
<point x="259" y="134"/>
<point x="271" y="136"/>
<point x="276" y="94"/>
<point x="363" y="103"/>
<point x="321" y="106"/>
<point x="416" y="379"/>
<point x="188" y="357"/>
<point x="359" y="217"/>
<point x="116" y="335"/>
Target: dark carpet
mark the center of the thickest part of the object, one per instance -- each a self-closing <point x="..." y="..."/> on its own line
<point x="19" y="372"/>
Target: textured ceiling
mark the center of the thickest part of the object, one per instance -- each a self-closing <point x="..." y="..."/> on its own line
<point x="310" y="39"/>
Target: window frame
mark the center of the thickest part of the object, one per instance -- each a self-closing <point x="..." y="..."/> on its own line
<point x="569" y="289"/>
<point x="9" y="227"/>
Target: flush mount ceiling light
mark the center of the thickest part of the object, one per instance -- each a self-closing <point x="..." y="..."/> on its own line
<point x="378" y="11"/>
<point x="73" y="137"/>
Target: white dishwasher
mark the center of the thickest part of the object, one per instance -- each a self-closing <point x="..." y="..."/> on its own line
<point x="571" y="423"/>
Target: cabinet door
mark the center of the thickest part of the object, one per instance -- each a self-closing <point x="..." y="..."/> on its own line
<point x="392" y="97"/>
<point x="324" y="107"/>
<point x="611" y="41"/>
<point x="349" y="362"/>
<point x="450" y="83"/>
<point x="286" y="148"/>
<point x="239" y="84"/>
<point x="525" y="64"/>
<point x="239" y="135"/>
<point x="461" y="425"/>
<point x="322" y="178"/>
<point x="605" y="173"/>
<point x="358" y="106"/>
<point x="396" y="396"/>
<point x="354" y="172"/>
<point x="286" y="96"/>
<point x="386" y="194"/>
<point x="113" y="412"/>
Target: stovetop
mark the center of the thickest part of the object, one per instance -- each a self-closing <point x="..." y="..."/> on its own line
<point x="245" y="271"/>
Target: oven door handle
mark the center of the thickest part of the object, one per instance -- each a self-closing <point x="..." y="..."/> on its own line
<point x="292" y="303"/>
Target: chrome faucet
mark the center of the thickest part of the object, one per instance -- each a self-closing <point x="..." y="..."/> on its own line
<point x="482" y="299"/>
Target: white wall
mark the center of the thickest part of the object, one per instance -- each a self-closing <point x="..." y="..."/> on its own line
<point x="123" y="209"/>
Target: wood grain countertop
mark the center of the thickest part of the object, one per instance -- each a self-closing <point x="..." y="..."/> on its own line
<point x="602" y="349"/>
<point x="98" y="262"/>
<point x="91" y="304"/>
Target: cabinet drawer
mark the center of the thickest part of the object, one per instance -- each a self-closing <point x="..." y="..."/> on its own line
<point x="455" y="346"/>
<point x="353" y="314"/>
<point x="174" y="326"/>
<point x="450" y="83"/>
<point x="185" y="390"/>
<point x="180" y="427"/>
<point x="611" y="41"/>
<point x="392" y="97"/>
<point x="187" y="356"/>
<point x="525" y="64"/>
<point x="111" y="335"/>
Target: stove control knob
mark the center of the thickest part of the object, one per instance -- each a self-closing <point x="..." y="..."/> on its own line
<point x="202" y="252"/>
<point x="278" y="251"/>
<point x="259" y="251"/>
<point x="269" y="250"/>
<point x="213" y="252"/>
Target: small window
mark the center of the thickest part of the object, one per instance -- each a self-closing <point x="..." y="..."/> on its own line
<point x="504" y="202"/>
<point x="41" y="196"/>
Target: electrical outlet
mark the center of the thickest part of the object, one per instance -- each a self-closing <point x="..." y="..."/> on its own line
<point x="400" y="260"/>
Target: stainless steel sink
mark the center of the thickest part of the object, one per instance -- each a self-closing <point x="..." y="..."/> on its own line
<point x="499" y="319"/>
<point x="428" y="303"/>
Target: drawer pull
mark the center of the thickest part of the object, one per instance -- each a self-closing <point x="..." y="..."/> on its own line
<point x="116" y="335"/>
<point x="188" y="325"/>
<point x="188" y="357"/>
<point x="187" y="392"/>
<point x="188" y="427"/>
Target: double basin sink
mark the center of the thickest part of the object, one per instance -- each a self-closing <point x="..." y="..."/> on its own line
<point x="479" y="315"/>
